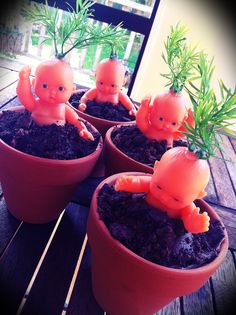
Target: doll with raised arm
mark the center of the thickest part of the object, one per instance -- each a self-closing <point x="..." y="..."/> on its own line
<point x="53" y="86"/>
<point x="164" y="118"/>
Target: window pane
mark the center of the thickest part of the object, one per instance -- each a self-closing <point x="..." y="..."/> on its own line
<point x="140" y="7"/>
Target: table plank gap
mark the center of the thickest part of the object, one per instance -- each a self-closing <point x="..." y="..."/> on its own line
<point x="82" y="300"/>
<point x="8" y="94"/>
<point x="171" y="308"/>
<point x="228" y="217"/>
<point x="8" y="79"/>
<point x="24" y="252"/>
<point x="222" y="181"/>
<point x="199" y="302"/>
<point x="224" y="285"/>
<point x="8" y="226"/>
<point x="58" y="265"/>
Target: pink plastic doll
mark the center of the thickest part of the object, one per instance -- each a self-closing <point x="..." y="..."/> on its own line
<point x="110" y="77"/>
<point x="53" y="85"/>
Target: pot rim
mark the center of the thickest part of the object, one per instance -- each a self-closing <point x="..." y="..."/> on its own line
<point x="108" y="139"/>
<point x="48" y="160"/>
<point x="144" y="263"/>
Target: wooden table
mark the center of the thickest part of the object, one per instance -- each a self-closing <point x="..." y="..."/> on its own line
<point x="45" y="269"/>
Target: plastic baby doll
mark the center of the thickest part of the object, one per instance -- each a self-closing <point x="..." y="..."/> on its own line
<point x="163" y="119"/>
<point x="173" y="189"/>
<point x="53" y="85"/>
<point x="110" y="77"/>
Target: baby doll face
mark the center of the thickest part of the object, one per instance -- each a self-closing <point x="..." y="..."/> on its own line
<point x="167" y="113"/>
<point x="54" y="82"/>
<point x="176" y="185"/>
<point x="110" y="76"/>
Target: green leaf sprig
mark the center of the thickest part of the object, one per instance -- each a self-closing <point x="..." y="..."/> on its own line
<point x="180" y="58"/>
<point x="212" y="117"/>
<point x="74" y="31"/>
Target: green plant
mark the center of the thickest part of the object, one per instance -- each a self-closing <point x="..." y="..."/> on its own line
<point x="213" y="117"/>
<point x="74" y="31"/>
<point x="180" y="58"/>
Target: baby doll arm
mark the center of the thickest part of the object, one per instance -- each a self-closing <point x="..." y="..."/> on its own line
<point x="133" y="183"/>
<point x="73" y="118"/>
<point x="194" y="221"/>
<point x="142" y="120"/>
<point x="90" y="95"/>
<point x="127" y="103"/>
<point x="23" y="89"/>
<point x="189" y="120"/>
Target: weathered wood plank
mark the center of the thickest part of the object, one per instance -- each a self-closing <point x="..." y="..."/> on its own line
<point x="82" y="300"/>
<point x="222" y="181"/>
<point x="8" y="79"/>
<point x="51" y="285"/>
<point x="13" y="102"/>
<point x="224" y="285"/>
<point x="200" y="302"/>
<point x="19" y="262"/>
<point x="229" y="154"/>
<point x="3" y="72"/>
<point x="211" y="192"/>
<point x="233" y="143"/>
<point x="8" y="94"/>
<point x="171" y="308"/>
<point x="8" y="226"/>
<point x="228" y="217"/>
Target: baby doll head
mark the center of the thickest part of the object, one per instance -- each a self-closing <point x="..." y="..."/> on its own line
<point x="110" y="76"/>
<point x="53" y="81"/>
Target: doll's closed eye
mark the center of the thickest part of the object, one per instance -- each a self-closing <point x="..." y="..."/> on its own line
<point x="159" y="187"/>
<point x="174" y="123"/>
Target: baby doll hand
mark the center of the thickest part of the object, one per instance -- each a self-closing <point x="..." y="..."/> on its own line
<point x="84" y="133"/>
<point x="132" y="112"/>
<point x="146" y="101"/>
<point x="82" y="107"/>
<point x="125" y="182"/>
<point x="25" y="72"/>
<point x="196" y="222"/>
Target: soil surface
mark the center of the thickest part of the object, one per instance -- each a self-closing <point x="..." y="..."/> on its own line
<point x="151" y="234"/>
<point x="18" y="130"/>
<point x="106" y="111"/>
<point x="131" y="141"/>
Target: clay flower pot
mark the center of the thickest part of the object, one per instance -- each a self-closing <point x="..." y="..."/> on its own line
<point x="102" y="125"/>
<point x="117" y="161"/>
<point x="124" y="283"/>
<point x="37" y="189"/>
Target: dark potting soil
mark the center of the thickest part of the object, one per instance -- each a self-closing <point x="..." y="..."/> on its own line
<point x="18" y="130"/>
<point x="106" y="110"/>
<point x="151" y="234"/>
<point x="131" y="141"/>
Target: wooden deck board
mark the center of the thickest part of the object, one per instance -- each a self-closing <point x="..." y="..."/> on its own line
<point x="8" y="79"/>
<point x="58" y="266"/>
<point x="8" y="226"/>
<point x="223" y="184"/>
<point x="19" y="262"/>
<point x="82" y="290"/>
<point x="172" y="308"/>
<point x="224" y="286"/>
<point x="200" y="302"/>
<point x="8" y="94"/>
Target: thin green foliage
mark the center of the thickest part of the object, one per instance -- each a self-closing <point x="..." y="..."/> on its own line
<point x="180" y="58"/>
<point x="213" y="117"/>
<point x="75" y="31"/>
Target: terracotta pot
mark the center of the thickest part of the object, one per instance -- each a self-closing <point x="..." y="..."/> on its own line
<point x="37" y="189"/>
<point x="102" y="125"/>
<point x="124" y="283"/>
<point x="117" y="161"/>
